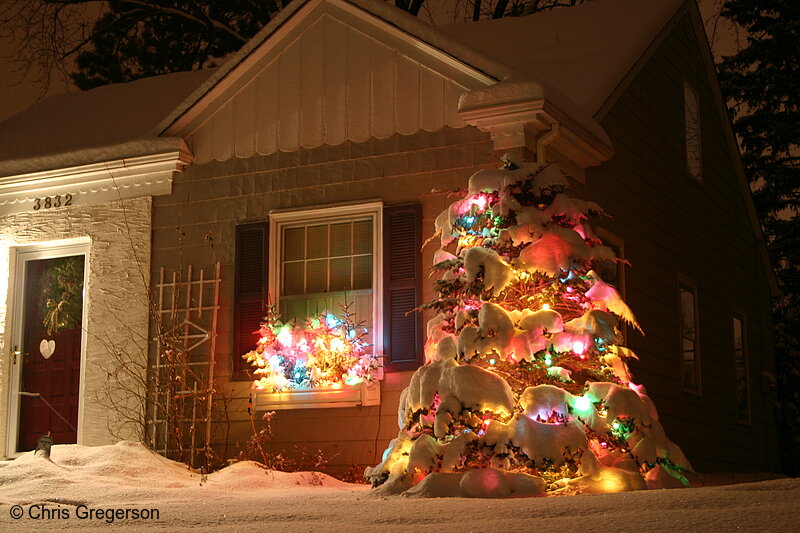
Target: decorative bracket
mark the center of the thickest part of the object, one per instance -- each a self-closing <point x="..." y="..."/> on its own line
<point x="523" y="115"/>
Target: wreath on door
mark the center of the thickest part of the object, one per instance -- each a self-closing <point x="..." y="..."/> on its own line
<point x="62" y="294"/>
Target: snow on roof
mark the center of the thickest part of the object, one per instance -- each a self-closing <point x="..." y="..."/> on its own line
<point x="579" y="52"/>
<point x="584" y="51"/>
<point x="73" y="128"/>
<point x="414" y="26"/>
<point x="493" y="64"/>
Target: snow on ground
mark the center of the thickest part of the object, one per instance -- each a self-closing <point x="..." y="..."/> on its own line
<point x="244" y="497"/>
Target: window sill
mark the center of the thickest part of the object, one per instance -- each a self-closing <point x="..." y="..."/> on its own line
<point x="694" y="392"/>
<point x="365" y="394"/>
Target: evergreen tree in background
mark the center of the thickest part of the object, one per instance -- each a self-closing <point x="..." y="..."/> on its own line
<point x="762" y="84"/>
<point x="139" y="39"/>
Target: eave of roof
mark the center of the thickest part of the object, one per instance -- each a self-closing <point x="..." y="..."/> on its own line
<point x="131" y="116"/>
<point x="584" y="50"/>
<point x="93" y="154"/>
<point x="110" y="122"/>
<point x="494" y="67"/>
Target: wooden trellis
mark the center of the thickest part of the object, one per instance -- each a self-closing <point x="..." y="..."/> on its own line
<point x="181" y="378"/>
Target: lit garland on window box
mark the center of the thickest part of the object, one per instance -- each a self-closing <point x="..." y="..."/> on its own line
<point x="324" y="352"/>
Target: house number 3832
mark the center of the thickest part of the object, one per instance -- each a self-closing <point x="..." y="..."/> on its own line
<point x="49" y="202"/>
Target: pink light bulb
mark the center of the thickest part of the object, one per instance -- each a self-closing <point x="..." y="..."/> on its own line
<point x="285" y="338"/>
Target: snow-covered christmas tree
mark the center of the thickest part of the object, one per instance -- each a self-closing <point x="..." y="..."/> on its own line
<point x="526" y="387"/>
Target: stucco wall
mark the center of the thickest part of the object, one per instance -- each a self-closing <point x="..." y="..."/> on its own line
<point x="115" y="296"/>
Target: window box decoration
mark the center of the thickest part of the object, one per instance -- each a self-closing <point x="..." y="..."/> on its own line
<point x="321" y="363"/>
<point x="365" y="393"/>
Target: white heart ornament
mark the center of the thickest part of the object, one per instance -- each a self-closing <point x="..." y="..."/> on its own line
<point x="47" y="348"/>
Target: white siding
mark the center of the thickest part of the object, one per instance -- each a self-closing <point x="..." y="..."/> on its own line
<point x="331" y="84"/>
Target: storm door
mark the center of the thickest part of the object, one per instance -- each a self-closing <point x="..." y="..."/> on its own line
<point x="48" y="333"/>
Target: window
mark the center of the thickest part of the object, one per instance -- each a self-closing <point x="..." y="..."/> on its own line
<point x="325" y="260"/>
<point x="740" y="366"/>
<point x="311" y="261"/>
<point x="690" y="346"/>
<point x="691" y="113"/>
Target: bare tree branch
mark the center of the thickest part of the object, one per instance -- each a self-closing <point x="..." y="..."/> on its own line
<point x="40" y="32"/>
<point x="500" y="9"/>
<point x="476" y="10"/>
<point x="416" y="5"/>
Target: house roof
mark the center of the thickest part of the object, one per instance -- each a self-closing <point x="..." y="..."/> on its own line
<point x="584" y="50"/>
<point x="109" y="122"/>
<point x="422" y="31"/>
<point x="575" y="56"/>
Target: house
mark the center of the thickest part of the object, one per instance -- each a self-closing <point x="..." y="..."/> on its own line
<point x="307" y="171"/>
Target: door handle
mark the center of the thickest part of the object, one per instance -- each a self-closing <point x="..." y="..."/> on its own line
<point x="14" y="354"/>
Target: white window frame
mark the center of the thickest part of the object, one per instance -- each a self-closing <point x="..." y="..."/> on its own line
<point x="693" y="140"/>
<point x="684" y="282"/>
<point x="346" y="396"/>
<point x="739" y="314"/>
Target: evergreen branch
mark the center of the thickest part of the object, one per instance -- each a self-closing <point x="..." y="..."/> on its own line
<point x="208" y="22"/>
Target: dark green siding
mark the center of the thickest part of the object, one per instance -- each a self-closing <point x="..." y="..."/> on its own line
<point x="673" y="225"/>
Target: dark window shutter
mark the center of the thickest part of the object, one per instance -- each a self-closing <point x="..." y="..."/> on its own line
<point x="250" y="290"/>
<point x="402" y="286"/>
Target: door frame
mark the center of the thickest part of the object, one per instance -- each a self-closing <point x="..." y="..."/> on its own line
<point x="18" y="258"/>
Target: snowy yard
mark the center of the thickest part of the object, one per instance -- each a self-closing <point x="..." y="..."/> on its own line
<point x="81" y="481"/>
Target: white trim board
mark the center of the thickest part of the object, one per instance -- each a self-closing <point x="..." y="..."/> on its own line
<point x="22" y="254"/>
<point x="277" y="219"/>
<point x="96" y="183"/>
